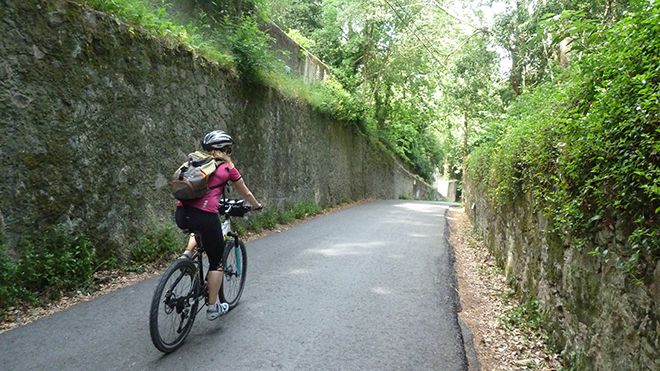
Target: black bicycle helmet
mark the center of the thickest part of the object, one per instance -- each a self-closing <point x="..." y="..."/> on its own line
<point x="217" y="139"/>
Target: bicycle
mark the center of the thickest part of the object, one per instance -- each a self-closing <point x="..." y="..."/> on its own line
<point x="176" y="301"/>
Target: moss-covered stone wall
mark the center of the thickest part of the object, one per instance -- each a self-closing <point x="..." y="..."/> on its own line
<point x="599" y="317"/>
<point x="96" y="115"/>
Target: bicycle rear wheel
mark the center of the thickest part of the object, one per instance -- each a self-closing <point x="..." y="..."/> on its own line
<point x="235" y="268"/>
<point x="174" y="306"/>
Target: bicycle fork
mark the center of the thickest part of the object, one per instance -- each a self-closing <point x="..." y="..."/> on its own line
<point x="237" y="254"/>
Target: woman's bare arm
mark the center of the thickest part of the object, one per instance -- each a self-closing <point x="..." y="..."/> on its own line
<point x="246" y="194"/>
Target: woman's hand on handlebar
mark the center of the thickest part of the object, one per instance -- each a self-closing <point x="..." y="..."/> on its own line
<point x="256" y="207"/>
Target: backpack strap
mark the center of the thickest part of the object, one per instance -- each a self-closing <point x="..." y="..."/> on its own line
<point x="224" y="190"/>
<point x="217" y="165"/>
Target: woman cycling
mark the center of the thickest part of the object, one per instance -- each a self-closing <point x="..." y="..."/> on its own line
<point x="201" y="215"/>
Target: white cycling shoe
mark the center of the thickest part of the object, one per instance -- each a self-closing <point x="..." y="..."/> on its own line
<point x="216" y="310"/>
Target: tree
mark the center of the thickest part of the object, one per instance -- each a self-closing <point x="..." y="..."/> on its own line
<point x="534" y="51"/>
<point x="397" y="57"/>
<point x="471" y="86"/>
<point x="302" y="15"/>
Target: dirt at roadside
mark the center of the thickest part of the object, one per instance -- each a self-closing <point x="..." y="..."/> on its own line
<point x="483" y="293"/>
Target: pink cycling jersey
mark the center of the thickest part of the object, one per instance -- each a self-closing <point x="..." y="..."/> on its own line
<point x="209" y="202"/>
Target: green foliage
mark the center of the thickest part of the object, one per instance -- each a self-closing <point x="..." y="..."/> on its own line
<point x="157" y="245"/>
<point x="236" y="41"/>
<point x="51" y="261"/>
<point x="305" y="209"/>
<point x="526" y="316"/>
<point x="136" y="12"/>
<point x="527" y="31"/>
<point x="133" y="11"/>
<point x="249" y="46"/>
<point x="587" y="148"/>
<point x="11" y="289"/>
<point x="298" y="37"/>
<point x="264" y="220"/>
<point x="368" y="87"/>
<point x="285" y="216"/>
<point x="56" y="260"/>
<point x="406" y="132"/>
<point x="479" y="163"/>
<point x="391" y="84"/>
<point x="303" y="15"/>
<point x="615" y="169"/>
<point x="326" y="96"/>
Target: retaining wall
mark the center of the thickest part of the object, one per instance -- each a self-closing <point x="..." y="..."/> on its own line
<point x="598" y="315"/>
<point x="96" y="115"/>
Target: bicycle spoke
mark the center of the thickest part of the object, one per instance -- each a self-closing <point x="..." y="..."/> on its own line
<point x="234" y="273"/>
<point x="173" y="310"/>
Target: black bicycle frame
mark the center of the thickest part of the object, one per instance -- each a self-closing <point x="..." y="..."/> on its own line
<point x="200" y="277"/>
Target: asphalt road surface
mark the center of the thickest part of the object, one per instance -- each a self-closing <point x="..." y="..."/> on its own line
<point x="371" y="287"/>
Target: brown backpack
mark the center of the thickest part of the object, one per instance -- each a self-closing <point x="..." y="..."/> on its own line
<point x="190" y="180"/>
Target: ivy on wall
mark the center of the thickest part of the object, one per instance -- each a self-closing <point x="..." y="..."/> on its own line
<point x="586" y="146"/>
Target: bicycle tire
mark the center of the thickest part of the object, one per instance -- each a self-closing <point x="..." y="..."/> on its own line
<point x="235" y="272"/>
<point x="174" y="306"/>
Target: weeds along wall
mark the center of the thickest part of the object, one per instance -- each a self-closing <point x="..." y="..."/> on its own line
<point x="97" y="115"/>
<point x="596" y="314"/>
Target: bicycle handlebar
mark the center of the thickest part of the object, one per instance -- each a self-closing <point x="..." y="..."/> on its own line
<point x="237" y="208"/>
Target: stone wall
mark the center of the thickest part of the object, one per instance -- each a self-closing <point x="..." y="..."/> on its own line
<point x="447" y="188"/>
<point x="297" y="58"/>
<point x="294" y="56"/>
<point x="598" y="316"/>
<point x="96" y="115"/>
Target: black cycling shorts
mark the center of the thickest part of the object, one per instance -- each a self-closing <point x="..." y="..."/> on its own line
<point x="209" y="227"/>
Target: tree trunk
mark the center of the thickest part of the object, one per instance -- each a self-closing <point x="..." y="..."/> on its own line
<point x="514" y="76"/>
<point x="465" y="134"/>
<point x="367" y="47"/>
<point x="564" y="48"/>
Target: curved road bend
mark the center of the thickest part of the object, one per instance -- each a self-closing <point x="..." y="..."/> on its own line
<point x="367" y="288"/>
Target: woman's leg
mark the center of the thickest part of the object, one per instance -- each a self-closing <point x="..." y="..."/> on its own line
<point x="208" y="224"/>
<point x="184" y="221"/>
<point x="191" y="245"/>
<point x="215" y="281"/>
<point x="214" y="245"/>
<point x="215" y="275"/>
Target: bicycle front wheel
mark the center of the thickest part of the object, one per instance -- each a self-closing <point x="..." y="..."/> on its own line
<point x="235" y="267"/>
<point x="174" y="306"/>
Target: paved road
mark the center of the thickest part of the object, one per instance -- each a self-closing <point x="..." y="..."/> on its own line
<point x="367" y="288"/>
